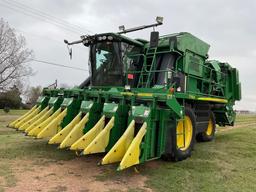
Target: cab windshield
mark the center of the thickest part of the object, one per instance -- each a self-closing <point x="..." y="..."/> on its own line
<point x="106" y="67"/>
<point x="107" y="63"/>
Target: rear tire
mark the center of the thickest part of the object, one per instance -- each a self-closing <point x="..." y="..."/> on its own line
<point x="209" y="133"/>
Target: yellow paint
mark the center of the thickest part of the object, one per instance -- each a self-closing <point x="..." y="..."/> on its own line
<point x="209" y="129"/>
<point x="86" y="139"/>
<point x="117" y="152"/>
<point x="132" y="155"/>
<point x="127" y="93"/>
<point x="184" y="131"/>
<point x="60" y="136"/>
<point x="75" y="133"/>
<point x="99" y="144"/>
<point x="144" y="94"/>
<point x="40" y="120"/>
<point x="34" y="119"/>
<point x="31" y="115"/>
<point x="212" y="99"/>
<point x="25" y="119"/>
<point x="12" y="124"/>
<point x="169" y="96"/>
<point x="191" y="96"/>
<point x="53" y="127"/>
<point x="137" y="94"/>
<point x="35" y="131"/>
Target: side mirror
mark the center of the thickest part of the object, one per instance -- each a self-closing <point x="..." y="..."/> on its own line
<point x="70" y="52"/>
<point x="69" y="48"/>
<point x="154" y="37"/>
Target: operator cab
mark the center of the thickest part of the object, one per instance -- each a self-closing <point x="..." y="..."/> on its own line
<point x="110" y="58"/>
<point x="116" y="60"/>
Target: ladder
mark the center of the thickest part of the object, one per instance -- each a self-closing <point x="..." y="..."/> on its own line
<point x="148" y="68"/>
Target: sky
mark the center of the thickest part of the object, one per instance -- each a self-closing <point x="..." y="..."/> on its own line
<point x="228" y="26"/>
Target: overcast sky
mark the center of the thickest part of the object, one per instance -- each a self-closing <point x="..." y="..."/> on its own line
<point x="228" y="26"/>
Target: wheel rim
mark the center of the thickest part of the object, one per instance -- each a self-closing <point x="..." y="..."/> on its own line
<point x="209" y="128"/>
<point x="184" y="132"/>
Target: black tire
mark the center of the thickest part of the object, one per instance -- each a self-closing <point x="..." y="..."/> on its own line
<point x="176" y="153"/>
<point x="203" y="136"/>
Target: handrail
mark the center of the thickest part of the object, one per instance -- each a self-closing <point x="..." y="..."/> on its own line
<point x="205" y="69"/>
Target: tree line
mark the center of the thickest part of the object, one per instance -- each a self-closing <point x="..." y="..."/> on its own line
<point x="14" y="69"/>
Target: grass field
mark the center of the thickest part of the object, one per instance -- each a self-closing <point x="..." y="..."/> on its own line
<point x="226" y="164"/>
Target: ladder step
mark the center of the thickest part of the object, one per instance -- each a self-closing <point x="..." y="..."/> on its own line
<point x="151" y="50"/>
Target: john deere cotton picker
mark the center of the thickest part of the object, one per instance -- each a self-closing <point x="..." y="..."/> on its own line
<point x="142" y="101"/>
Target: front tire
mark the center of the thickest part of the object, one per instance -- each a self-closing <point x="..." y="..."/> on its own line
<point x="182" y="137"/>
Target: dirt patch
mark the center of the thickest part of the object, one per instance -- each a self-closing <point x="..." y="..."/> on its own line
<point x="79" y="174"/>
<point x="2" y="181"/>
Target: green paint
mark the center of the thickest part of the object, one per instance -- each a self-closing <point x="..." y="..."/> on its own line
<point x="158" y="83"/>
<point x="120" y="113"/>
<point x="55" y="102"/>
<point x="42" y="101"/>
<point x="73" y="106"/>
<point x="95" y="111"/>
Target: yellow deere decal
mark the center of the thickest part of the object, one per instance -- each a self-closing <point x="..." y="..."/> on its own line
<point x="145" y="94"/>
<point x="212" y="99"/>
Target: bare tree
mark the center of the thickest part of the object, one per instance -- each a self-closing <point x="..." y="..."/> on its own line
<point x="13" y="57"/>
<point x="33" y="93"/>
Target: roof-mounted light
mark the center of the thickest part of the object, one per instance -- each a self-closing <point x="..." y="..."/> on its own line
<point x="121" y="28"/>
<point x="110" y="38"/>
<point x="83" y="37"/>
<point x="159" y="19"/>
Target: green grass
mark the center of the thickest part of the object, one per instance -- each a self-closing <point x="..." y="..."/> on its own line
<point x="15" y="146"/>
<point x="13" y="112"/>
<point x="246" y="118"/>
<point x="226" y="164"/>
